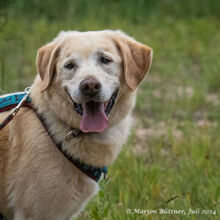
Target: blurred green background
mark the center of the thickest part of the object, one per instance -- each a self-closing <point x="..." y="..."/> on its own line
<point x="174" y="149"/>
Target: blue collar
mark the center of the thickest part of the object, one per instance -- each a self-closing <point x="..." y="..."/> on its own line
<point x="10" y="101"/>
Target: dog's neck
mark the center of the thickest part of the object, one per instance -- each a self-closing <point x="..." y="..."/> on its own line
<point x="98" y="149"/>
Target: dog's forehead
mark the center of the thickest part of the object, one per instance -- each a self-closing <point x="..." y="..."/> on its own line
<point x="86" y="43"/>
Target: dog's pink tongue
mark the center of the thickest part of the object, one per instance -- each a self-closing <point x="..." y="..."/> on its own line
<point x="94" y="118"/>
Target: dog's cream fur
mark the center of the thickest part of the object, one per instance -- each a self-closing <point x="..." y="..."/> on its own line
<point x="36" y="181"/>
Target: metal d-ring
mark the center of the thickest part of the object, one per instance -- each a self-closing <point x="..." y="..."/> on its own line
<point x="27" y="90"/>
<point x="73" y="133"/>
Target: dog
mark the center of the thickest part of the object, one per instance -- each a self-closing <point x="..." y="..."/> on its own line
<point x="86" y="81"/>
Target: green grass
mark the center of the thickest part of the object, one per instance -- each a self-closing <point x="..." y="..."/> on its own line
<point x="174" y="149"/>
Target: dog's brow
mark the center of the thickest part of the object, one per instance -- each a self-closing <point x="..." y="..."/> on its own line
<point x="72" y="57"/>
<point x="103" y="49"/>
<point x="104" y="52"/>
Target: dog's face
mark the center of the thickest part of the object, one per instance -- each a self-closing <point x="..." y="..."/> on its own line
<point x="92" y="68"/>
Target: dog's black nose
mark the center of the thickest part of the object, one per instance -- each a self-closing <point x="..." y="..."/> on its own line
<point x="90" y="87"/>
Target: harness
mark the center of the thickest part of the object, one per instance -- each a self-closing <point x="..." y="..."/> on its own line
<point x="22" y="99"/>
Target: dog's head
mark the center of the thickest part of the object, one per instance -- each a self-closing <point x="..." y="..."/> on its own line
<point x="93" y="70"/>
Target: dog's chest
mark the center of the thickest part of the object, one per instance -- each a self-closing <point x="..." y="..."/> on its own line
<point x="58" y="194"/>
<point x="73" y="198"/>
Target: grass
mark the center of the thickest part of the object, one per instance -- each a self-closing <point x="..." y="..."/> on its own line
<point x="173" y="151"/>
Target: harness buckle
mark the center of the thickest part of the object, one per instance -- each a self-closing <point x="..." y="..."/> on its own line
<point x="72" y="134"/>
<point x="105" y="175"/>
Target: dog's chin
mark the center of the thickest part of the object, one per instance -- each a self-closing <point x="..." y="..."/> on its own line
<point x="95" y="114"/>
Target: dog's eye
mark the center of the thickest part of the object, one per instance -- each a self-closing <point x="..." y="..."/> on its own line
<point x="69" y="66"/>
<point x="105" y="60"/>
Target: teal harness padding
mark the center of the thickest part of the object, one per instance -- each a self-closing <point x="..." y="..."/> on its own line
<point x="12" y="99"/>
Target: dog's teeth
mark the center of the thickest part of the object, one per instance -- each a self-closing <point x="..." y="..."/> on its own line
<point x="106" y="104"/>
<point x="78" y="108"/>
<point x="110" y="103"/>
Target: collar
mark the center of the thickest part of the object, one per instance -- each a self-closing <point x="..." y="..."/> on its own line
<point x="22" y="99"/>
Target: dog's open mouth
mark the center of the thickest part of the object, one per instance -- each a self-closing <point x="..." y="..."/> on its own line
<point x="95" y="114"/>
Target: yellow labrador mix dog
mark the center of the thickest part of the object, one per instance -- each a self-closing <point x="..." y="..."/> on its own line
<point x="53" y="153"/>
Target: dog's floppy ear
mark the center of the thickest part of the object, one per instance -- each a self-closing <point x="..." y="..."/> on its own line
<point x="46" y="63"/>
<point x="136" y="59"/>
